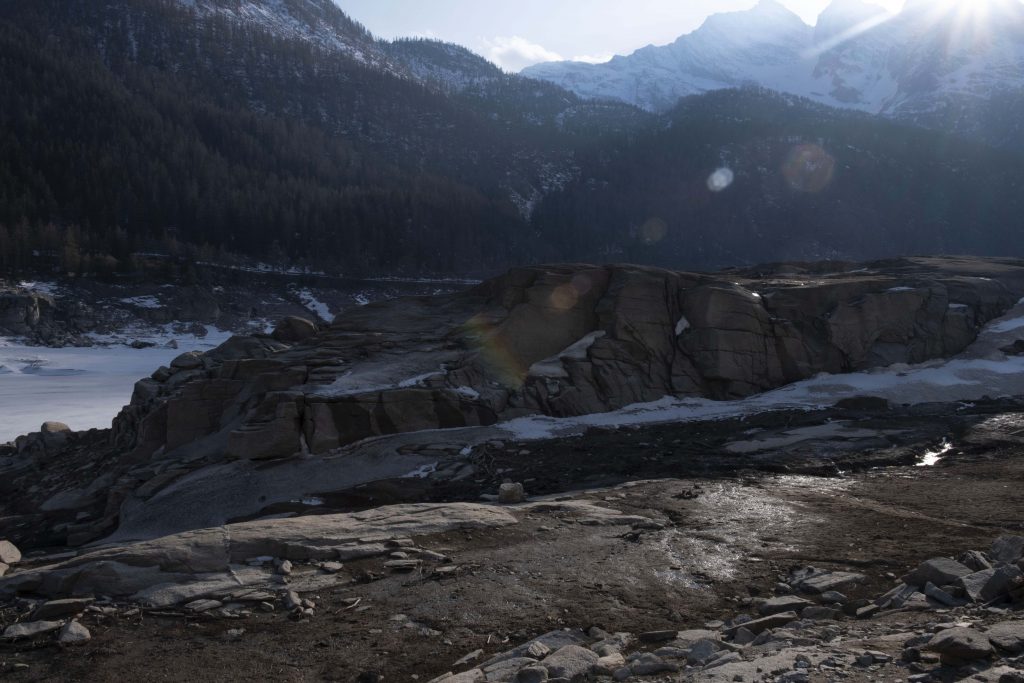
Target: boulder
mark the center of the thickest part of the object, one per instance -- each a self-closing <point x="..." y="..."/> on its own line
<point x="74" y="633"/>
<point x="570" y="662"/>
<point x="1007" y="636"/>
<point x="9" y="553"/>
<point x="55" y="435"/>
<point x="294" y="329"/>
<point x="939" y="571"/>
<point x="990" y="584"/>
<point x="1007" y="549"/>
<point x="959" y="645"/>
<point x="511" y="493"/>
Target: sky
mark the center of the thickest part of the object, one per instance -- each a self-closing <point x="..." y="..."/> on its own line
<point x="515" y="34"/>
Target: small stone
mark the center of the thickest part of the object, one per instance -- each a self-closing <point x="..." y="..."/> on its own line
<point x="283" y="567"/>
<point x="743" y="636"/>
<point x="867" y="611"/>
<point x="510" y="493"/>
<point x="723" y="659"/>
<point x="834" y="597"/>
<point x="331" y="567"/>
<point x="648" y="664"/>
<point x="975" y="560"/>
<point x="702" y="651"/>
<point x="9" y="553"/>
<point x="471" y="657"/>
<point x="402" y="565"/>
<point x="234" y="632"/>
<point x="73" y="633"/>
<point x="267" y="606"/>
<point x="609" y="664"/>
<point x="757" y="625"/>
<point x="818" y="613"/>
<point x="537" y="650"/>
<point x="3" y="568"/>
<point x="292" y="601"/>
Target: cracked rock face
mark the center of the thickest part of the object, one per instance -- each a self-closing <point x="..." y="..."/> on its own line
<point x="560" y="340"/>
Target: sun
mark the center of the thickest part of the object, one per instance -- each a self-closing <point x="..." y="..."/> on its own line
<point x="969" y="23"/>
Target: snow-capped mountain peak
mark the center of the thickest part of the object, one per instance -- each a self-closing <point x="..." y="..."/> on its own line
<point x="931" y="57"/>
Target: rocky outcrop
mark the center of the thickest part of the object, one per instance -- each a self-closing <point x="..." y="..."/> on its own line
<point x="560" y="340"/>
<point x="211" y="562"/>
<point x="21" y="312"/>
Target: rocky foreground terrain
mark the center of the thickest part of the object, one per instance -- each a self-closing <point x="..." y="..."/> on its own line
<point x="463" y="487"/>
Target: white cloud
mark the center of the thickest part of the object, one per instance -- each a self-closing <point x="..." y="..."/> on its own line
<point x="514" y="53"/>
<point x="593" y="59"/>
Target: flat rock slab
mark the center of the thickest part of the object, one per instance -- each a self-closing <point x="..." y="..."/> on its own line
<point x="783" y="603"/>
<point x="29" y="629"/>
<point x="941" y="571"/>
<point x="829" y="581"/>
<point x="758" y="625"/>
<point x="55" y="609"/>
<point x="195" y="564"/>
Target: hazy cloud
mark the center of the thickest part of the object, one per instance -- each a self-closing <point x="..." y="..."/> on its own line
<point x="514" y="53"/>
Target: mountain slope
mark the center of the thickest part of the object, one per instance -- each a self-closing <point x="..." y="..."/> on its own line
<point x="741" y="176"/>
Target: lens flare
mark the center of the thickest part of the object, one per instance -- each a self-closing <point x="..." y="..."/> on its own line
<point x="494" y="353"/>
<point x="653" y="231"/>
<point x="808" y="168"/>
<point x="721" y="179"/>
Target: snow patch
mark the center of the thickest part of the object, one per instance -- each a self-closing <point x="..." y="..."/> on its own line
<point x="1007" y="325"/>
<point x="314" y="305"/>
<point x="682" y="326"/>
<point x="421" y="472"/>
<point x="468" y="392"/>
<point x="150" y="302"/>
<point x="554" y="366"/>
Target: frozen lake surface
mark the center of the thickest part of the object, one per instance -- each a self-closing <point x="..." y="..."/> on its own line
<point x="82" y="387"/>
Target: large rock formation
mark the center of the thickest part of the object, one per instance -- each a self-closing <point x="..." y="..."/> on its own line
<point x="410" y="387"/>
<point x="561" y="340"/>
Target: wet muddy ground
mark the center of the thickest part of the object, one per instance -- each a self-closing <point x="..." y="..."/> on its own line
<point x="728" y="532"/>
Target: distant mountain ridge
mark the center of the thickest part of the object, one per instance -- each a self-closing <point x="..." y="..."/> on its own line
<point x="951" y="68"/>
<point x="283" y="131"/>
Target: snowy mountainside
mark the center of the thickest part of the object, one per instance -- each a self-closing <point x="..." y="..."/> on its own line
<point x="320" y="22"/>
<point x="928" y="65"/>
